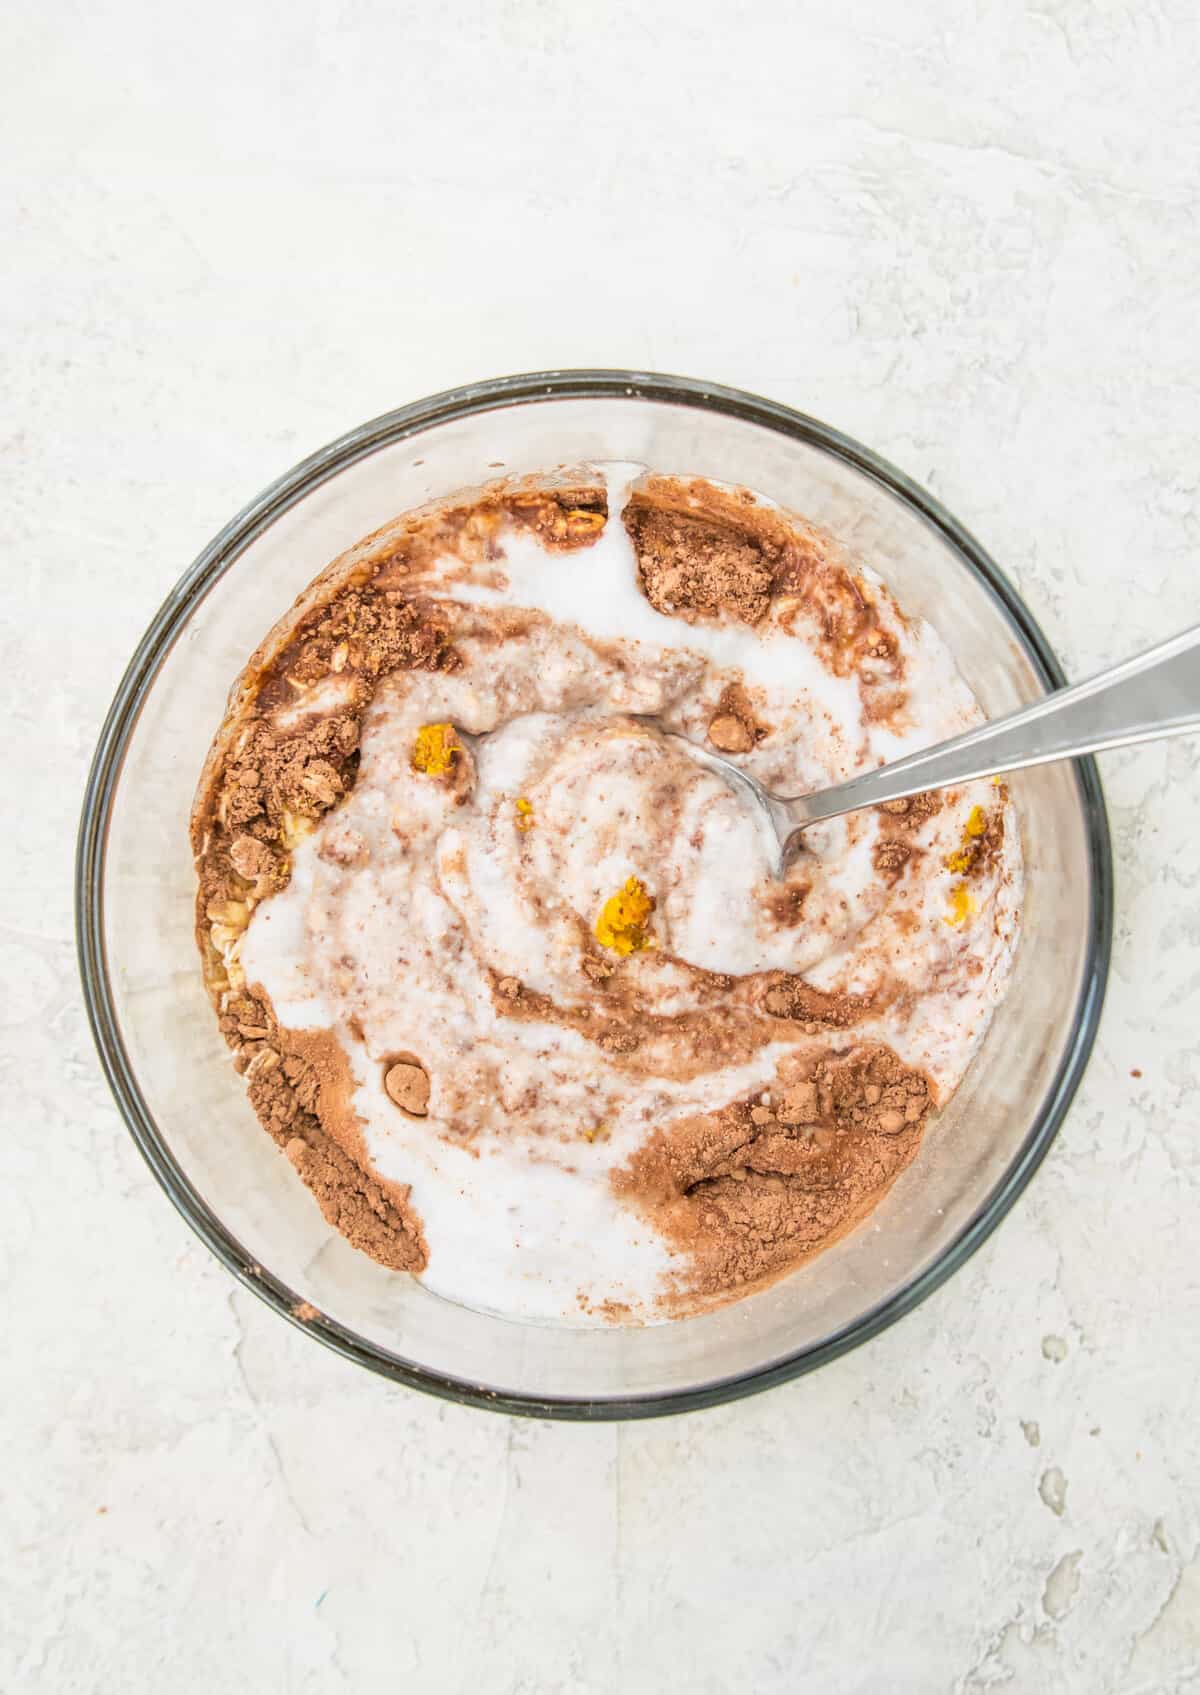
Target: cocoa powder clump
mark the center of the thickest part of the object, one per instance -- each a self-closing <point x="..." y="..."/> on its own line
<point x="899" y="822"/>
<point x="748" y="1192"/>
<point x="735" y="727"/>
<point x="788" y="996"/>
<point x="275" y="774"/>
<point x="353" y="1203"/>
<point x="382" y="631"/>
<point x="890" y="857"/>
<point x="691" y="564"/>
<point x="300" y="1086"/>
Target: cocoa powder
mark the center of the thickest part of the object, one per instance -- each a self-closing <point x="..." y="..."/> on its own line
<point x="705" y="551"/>
<point x="789" y="996"/>
<point x="692" y="565"/>
<point x="742" y="1194"/>
<point x="351" y="628"/>
<point x="300" y="1088"/>
<point x="735" y="727"/>
<point x="746" y="1193"/>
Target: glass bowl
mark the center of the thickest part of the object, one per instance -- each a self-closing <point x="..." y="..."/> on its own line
<point x="171" y="1073"/>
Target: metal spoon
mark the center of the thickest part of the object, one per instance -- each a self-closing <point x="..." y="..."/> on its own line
<point x="1153" y="695"/>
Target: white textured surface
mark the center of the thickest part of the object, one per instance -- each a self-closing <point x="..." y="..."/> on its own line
<point x="965" y="234"/>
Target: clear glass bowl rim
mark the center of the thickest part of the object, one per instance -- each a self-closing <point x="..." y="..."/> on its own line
<point x="172" y="618"/>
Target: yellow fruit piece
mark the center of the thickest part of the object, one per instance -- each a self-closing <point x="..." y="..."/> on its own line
<point x="621" y="925"/>
<point x="524" y="813"/>
<point x="962" y="905"/>
<point x="435" y="749"/>
<point x="962" y="859"/>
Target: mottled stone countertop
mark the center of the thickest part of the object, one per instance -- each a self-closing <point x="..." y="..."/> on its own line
<point x="968" y="236"/>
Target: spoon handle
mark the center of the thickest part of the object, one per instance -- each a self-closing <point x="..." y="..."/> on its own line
<point x="1155" y="694"/>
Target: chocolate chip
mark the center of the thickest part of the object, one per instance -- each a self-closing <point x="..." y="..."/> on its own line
<point x="730" y="734"/>
<point x="408" y="1086"/>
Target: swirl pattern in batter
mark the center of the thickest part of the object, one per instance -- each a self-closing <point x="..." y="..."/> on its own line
<point x="527" y="1007"/>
